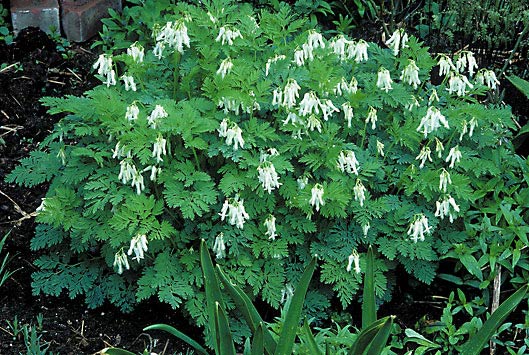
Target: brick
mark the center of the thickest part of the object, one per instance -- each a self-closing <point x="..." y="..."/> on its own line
<point x="81" y="19"/>
<point x="43" y="14"/>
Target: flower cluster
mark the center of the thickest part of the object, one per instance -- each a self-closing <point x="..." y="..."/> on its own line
<point x="354" y="258"/>
<point x="232" y="132"/>
<point x="316" y="199"/>
<point x="418" y="228"/>
<point x="347" y="162"/>
<point x="227" y="35"/>
<point x="444" y="208"/>
<point x="138" y="246"/>
<point x="270" y="224"/>
<point x="173" y="35"/>
<point x="233" y="208"/>
<point x="104" y="68"/>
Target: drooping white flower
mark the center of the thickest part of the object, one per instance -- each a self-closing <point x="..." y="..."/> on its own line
<point x="268" y="176"/>
<point x="413" y="103"/>
<point x="219" y="247"/>
<point x="354" y="258"/>
<point x="316" y="199"/>
<point x="454" y="156"/>
<point x="270" y="224"/>
<point x="302" y="182"/>
<point x="136" y="51"/>
<point x="308" y="51"/>
<point x="233" y="208"/>
<point x="380" y="148"/>
<point x="458" y="84"/>
<point x="358" y="51"/>
<point x="423" y="156"/>
<point x="132" y="112"/>
<point x="444" y="180"/>
<point x="120" y="260"/>
<point x="465" y="60"/>
<point x="158" y="148"/>
<point x="487" y="77"/>
<point x="174" y="35"/>
<point x="433" y="97"/>
<point x="372" y="117"/>
<point x="365" y="229"/>
<point x="128" y="80"/>
<point x="348" y="113"/>
<point x="310" y="104"/>
<point x="104" y="66"/>
<point x="473" y="123"/>
<point x="360" y="192"/>
<point x="313" y="123"/>
<point x="137" y="182"/>
<point x="410" y="74"/>
<point x="233" y="134"/>
<point x="398" y="40"/>
<point x="227" y="35"/>
<point x="418" y="228"/>
<point x="445" y="65"/>
<point x="291" y="118"/>
<point x="338" y="45"/>
<point x="327" y="108"/>
<point x="277" y="97"/>
<point x="118" y="151"/>
<point x="444" y="208"/>
<point x="138" y="245"/>
<point x="158" y="50"/>
<point x="439" y="148"/>
<point x="384" y="80"/>
<point x="299" y="57"/>
<point x="432" y="121"/>
<point x="270" y="61"/>
<point x="127" y="170"/>
<point x="225" y="67"/>
<point x="315" y="40"/>
<point x="156" y="114"/>
<point x="347" y="162"/>
<point x="348" y="87"/>
<point x="154" y="171"/>
<point x="291" y="93"/>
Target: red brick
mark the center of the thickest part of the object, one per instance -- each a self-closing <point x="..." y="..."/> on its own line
<point x="35" y="13"/>
<point x="81" y="19"/>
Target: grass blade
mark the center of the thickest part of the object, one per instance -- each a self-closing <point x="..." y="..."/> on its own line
<point x="311" y="342"/>
<point x="369" y="313"/>
<point x="171" y="330"/>
<point x="248" y="310"/>
<point x="381" y="338"/>
<point x="116" y="351"/>
<point x="290" y="328"/>
<point x="366" y="335"/>
<point x="258" y="340"/>
<point x="475" y="344"/>
<point x="223" y="332"/>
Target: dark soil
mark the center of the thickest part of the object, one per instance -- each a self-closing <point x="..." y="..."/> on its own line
<point x="35" y="68"/>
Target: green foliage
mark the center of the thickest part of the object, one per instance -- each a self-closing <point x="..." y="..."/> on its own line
<point x="5" y="33"/>
<point x="5" y="274"/>
<point x="202" y="146"/>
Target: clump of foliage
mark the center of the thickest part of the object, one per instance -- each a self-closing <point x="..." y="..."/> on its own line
<point x="252" y="131"/>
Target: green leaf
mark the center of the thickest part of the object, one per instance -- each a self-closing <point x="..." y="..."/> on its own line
<point x="258" y="340"/>
<point x="369" y="312"/>
<point x="178" y="334"/>
<point x="476" y="343"/>
<point x="224" y="339"/>
<point x="291" y="325"/>
<point x="311" y="342"/>
<point x="116" y="351"/>
<point x="366" y="336"/>
<point x="381" y="338"/>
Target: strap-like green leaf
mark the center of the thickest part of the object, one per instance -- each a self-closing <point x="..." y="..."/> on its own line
<point x="171" y="330"/>
<point x="381" y="338"/>
<point x="311" y="342"/>
<point x="366" y="336"/>
<point x="222" y="329"/>
<point x="258" y="340"/>
<point x="211" y="284"/>
<point x="116" y="351"/>
<point x="248" y="310"/>
<point x="292" y="318"/>
<point x="475" y="344"/>
<point x="369" y="313"/>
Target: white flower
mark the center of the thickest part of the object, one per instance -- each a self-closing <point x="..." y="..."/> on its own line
<point x="268" y="176"/>
<point x="472" y="65"/>
<point x="347" y="162"/>
<point x="291" y="118"/>
<point x="229" y="105"/>
<point x="423" y="156"/>
<point x="158" y="50"/>
<point x="444" y="180"/>
<point x="270" y="224"/>
<point x="458" y="83"/>
<point x="359" y="192"/>
<point x="487" y="77"/>
<point x="439" y="148"/>
<point x="316" y="199"/>
<point x="397" y="40"/>
<point x="338" y="46"/>
<point x="42" y="206"/>
<point x="365" y="229"/>
<point x="309" y="104"/>
<point x="418" y="228"/>
<point x="433" y="97"/>
<point x="358" y="51"/>
<point x="271" y="61"/>
<point x="219" y="247"/>
<point x="443" y="208"/>
<point x="174" y="35"/>
<point x="302" y="182"/>
<point x="308" y="51"/>
<point x="299" y="57"/>
<point x="225" y="67"/>
<point x="138" y="245"/>
<point x="132" y="112"/>
<point x="233" y="134"/>
<point x="286" y="293"/>
<point x="137" y="52"/>
<point x="154" y="171"/>
<point x="120" y="260"/>
<point x="212" y="18"/>
<point x="234" y="210"/>
<point x="158" y="148"/>
<point x="414" y="103"/>
<point x="348" y="113"/>
<point x="127" y="170"/>
<point x="384" y="80"/>
<point x="156" y="114"/>
<point x="380" y="148"/>
<point x="454" y="156"/>
<point x="128" y="80"/>
<point x="432" y="121"/>
<point x="137" y="182"/>
<point x="291" y="93"/>
<point x="464" y="60"/>
<point x="473" y="124"/>
<point x="315" y="40"/>
<point x="327" y="108"/>
<point x="344" y="86"/>
<point x="313" y="123"/>
<point x="277" y="98"/>
<point x="410" y="74"/>
<point x="104" y="68"/>
<point x="445" y="65"/>
<point x="227" y="35"/>
<point x="354" y="258"/>
<point x="372" y="117"/>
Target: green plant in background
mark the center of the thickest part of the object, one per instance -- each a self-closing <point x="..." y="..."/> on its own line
<point x="31" y="335"/>
<point x="252" y="131"/>
<point x="5" y="34"/>
<point x="5" y="274"/>
<point x="371" y="339"/>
